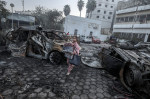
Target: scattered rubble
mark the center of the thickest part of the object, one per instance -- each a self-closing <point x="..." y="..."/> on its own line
<point x="23" y="78"/>
<point x="90" y="55"/>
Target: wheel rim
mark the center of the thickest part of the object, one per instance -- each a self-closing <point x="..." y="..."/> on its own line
<point x="55" y="57"/>
<point x="129" y="77"/>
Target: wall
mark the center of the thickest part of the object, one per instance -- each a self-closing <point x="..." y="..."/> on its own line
<point x="84" y="26"/>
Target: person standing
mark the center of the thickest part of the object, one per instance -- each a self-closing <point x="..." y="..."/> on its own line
<point x="68" y="33"/>
<point x="76" y="49"/>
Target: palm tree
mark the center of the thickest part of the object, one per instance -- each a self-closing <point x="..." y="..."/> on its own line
<point x="67" y="10"/>
<point x="91" y="5"/>
<point x="88" y="7"/>
<point x="80" y="5"/>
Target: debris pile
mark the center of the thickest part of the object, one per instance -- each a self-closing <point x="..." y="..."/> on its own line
<point x="90" y="55"/>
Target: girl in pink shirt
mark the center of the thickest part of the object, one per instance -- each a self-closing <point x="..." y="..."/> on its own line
<point x="76" y="49"/>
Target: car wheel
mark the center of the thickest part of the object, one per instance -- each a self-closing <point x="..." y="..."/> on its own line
<point x="55" y="57"/>
<point x="132" y="76"/>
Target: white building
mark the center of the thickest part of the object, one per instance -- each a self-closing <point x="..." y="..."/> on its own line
<point x="83" y="26"/>
<point x="104" y="12"/>
<point x="133" y="23"/>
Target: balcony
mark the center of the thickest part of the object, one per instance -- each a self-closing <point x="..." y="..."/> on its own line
<point x="124" y="26"/>
<point x="133" y="9"/>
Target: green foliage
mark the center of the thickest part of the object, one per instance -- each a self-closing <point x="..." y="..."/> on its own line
<point x="66" y="10"/>
<point x="53" y="18"/>
<point x="80" y="5"/>
<point x="50" y="19"/>
<point x="39" y="10"/>
<point x="91" y="5"/>
<point x="39" y="15"/>
<point x="3" y="11"/>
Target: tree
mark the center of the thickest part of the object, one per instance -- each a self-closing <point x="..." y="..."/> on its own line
<point x="88" y="7"/>
<point x="91" y="5"/>
<point x="66" y="10"/>
<point x="80" y="5"/>
<point x="39" y="15"/>
<point x="3" y="11"/>
<point x="49" y="19"/>
<point x="54" y="18"/>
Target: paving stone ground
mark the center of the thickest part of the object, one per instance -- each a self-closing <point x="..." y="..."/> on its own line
<point x="29" y="78"/>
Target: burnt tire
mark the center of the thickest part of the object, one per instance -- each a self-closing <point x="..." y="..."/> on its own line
<point x="55" y="57"/>
<point x="132" y="76"/>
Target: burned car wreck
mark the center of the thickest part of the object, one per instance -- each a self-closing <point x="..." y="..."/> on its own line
<point x="35" y="42"/>
<point x="131" y="66"/>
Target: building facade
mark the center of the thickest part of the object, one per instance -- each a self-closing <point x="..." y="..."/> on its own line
<point x="20" y="20"/>
<point x="104" y="12"/>
<point x="83" y="26"/>
<point x="133" y="23"/>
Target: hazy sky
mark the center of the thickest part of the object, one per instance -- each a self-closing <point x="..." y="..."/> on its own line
<point x="50" y="4"/>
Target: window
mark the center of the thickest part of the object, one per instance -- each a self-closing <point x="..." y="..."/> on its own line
<point x="112" y="0"/>
<point x="110" y="13"/>
<point x="131" y="18"/>
<point x="106" y="6"/>
<point x="99" y="4"/>
<point x="148" y="17"/>
<point x="97" y="17"/>
<point x="137" y="18"/>
<point x="117" y="20"/>
<point x="142" y="18"/>
<point x="126" y="19"/>
<point x="91" y="33"/>
<point x="104" y="12"/>
<point x="111" y="6"/>
<point x="103" y="17"/>
<point x="109" y="17"/>
<point x="98" y="10"/>
<point x="75" y="32"/>
<point x="121" y="19"/>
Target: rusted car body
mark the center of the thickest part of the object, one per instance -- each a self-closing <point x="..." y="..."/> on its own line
<point x="131" y="66"/>
<point x="42" y="44"/>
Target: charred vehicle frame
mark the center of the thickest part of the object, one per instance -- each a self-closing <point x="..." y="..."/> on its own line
<point x="131" y="66"/>
<point x="38" y="43"/>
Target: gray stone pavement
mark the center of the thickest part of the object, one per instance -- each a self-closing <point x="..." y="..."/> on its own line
<point x="29" y="78"/>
